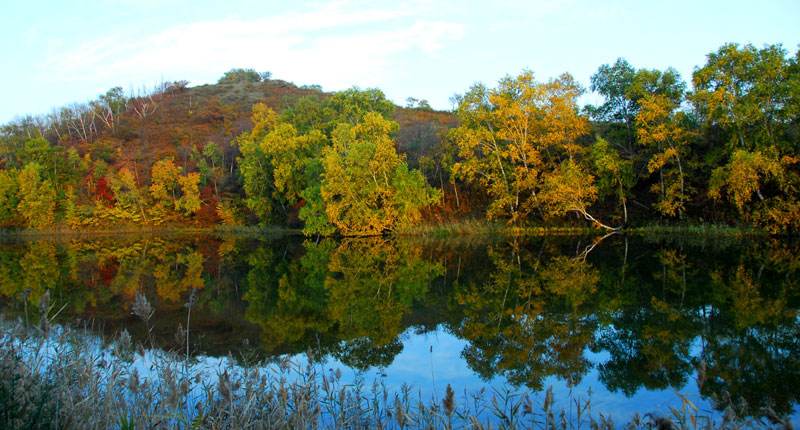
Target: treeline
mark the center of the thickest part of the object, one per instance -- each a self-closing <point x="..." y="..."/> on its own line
<point x="255" y="150"/>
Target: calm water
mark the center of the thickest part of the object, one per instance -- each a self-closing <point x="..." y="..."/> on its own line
<point x="635" y="320"/>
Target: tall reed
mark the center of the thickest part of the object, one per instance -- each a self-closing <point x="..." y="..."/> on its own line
<point x="55" y="377"/>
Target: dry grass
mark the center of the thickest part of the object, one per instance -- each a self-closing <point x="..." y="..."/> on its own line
<point x="56" y="377"/>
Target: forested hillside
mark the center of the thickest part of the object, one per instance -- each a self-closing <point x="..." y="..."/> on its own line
<point x="249" y="150"/>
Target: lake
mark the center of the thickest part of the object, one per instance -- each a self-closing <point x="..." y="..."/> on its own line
<point x="635" y="322"/>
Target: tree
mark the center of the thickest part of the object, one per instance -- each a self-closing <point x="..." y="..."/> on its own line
<point x="129" y="197"/>
<point x="348" y="106"/>
<point x="233" y="76"/>
<point x="256" y="177"/>
<point x="420" y="104"/>
<point x="189" y="202"/>
<point x="366" y="186"/>
<point x="210" y="163"/>
<point x="614" y="174"/>
<point x="411" y="194"/>
<point x="613" y="83"/>
<point x="317" y="155"/>
<point x="164" y="182"/>
<point x="275" y="162"/>
<point x="289" y="154"/>
<point x="313" y="211"/>
<point x="746" y="97"/>
<point x="109" y="106"/>
<point x="569" y="188"/>
<point x="744" y="92"/>
<point x="8" y="197"/>
<point x="37" y="197"/>
<point x="352" y="105"/>
<point x="514" y="137"/>
<point x="659" y="127"/>
<point x="181" y="192"/>
<point x="745" y="176"/>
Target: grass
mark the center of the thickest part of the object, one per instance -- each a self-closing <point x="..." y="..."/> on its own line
<point x="250" y="230"/>
<point x="56" y="377"/>
<point x="466" y="227"/>
<point x="697" y="230"/>
<point x="483" y="227"/>
<point x="478" y="227"/>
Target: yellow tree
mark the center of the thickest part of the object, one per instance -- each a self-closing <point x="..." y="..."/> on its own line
<point x="658" y="126"/>
<point x="288" y="153"/>
<point x="275" y="162"/>
<point x="569" y="188"/>
<point x="253" y="164"/>
<point x="180" y="192"/>
<point x="164" y="181"/>
<point x="513" y="137"/>
<point x="37" y="197"/>
<point x="129" y="197"/>
<point x="747" y="175"/>
<point x="744" y="176"/>
<point x="189" y="201"/>
<point x="367" y="187"/>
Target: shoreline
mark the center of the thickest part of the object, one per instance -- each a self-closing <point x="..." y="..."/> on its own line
<point x="441" y="230"/>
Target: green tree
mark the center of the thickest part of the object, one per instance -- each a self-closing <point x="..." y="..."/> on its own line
<point x="9" y="199"/>
<point x="256" y="176"/>
<point x="313" y="211"/>
<point x="613" y="82"/>
<point x="348" y="106"/>
<point x="744" y="92"/>
<point x="615" y="175"/>
<point x="746" y="98"/>
<point x="623" y="87"/>
<point x="233" y="76"/>
<point x="289" y="154"/>
<point x="276" y="162"/>
<point x="210" y="164"/>
<point x="366" y="186"/>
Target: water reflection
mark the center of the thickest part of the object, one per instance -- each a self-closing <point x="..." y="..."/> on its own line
<point x="660" y="313"/>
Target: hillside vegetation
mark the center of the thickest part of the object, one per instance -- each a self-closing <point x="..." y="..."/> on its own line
<point x="254" y="150"/>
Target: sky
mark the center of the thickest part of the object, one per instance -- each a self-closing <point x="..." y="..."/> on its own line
<point x="59" y="52"/>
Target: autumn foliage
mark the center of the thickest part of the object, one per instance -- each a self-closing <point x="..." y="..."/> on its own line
<point x="253" y="150"/>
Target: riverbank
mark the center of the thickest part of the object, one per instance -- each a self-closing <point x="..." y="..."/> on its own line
<point x="439" y="230"/>
<point x="479" y="227"/>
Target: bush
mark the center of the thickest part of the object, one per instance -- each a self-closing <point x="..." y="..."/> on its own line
<point x="243" y="75"/>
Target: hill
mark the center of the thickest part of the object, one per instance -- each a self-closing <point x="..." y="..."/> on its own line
<point x="118" y="132"/>
<point x="251" y="149"/>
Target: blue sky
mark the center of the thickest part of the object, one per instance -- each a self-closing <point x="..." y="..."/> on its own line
<point x="59" y="52"/>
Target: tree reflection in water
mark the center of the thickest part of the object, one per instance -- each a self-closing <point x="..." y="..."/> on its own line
<point x="663" y="313"/>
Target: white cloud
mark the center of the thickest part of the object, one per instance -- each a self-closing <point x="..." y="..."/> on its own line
<point x="336" y="45"/>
